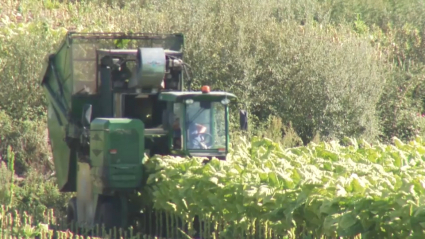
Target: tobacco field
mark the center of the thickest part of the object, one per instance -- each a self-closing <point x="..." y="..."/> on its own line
<point x="325" y="190"/>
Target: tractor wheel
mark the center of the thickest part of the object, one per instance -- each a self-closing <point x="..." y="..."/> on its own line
<point x="109" y="216"/>
<point x="71" y="215"/>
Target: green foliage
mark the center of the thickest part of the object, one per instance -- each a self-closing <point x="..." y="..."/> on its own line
<point x="396" y="29"/>
<point x="23" y="52"/>
<point x="42" y="194"/>
<point x="22" y="110"/>
<point x="279" y="132"/>
<point x="319" y="82"/>
<point x="6" y="177"/>
<point x="36" y="195"/>
<point x="401" y="107"/>
<point x="29" y="142"/>
<point x="303" y="69"/>
<point x="323" y="79"/>
<point x="7" y="190"/>
<point x="280" y="58"/>
<point x="403" y="97"/>
<point x="318" y="190"/>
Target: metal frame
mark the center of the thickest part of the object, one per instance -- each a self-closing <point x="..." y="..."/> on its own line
<point x="120" y="35"/>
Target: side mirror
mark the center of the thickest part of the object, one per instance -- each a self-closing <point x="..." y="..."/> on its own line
<point x="86" y="117"/>
<point x="243" y="119"/>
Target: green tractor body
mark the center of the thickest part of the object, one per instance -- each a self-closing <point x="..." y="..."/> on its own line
<point x="114" y="98"/>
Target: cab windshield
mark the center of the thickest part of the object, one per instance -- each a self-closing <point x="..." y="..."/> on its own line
<point x="206" y="125"/>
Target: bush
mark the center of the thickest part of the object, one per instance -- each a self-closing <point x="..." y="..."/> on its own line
<point x="40" y="195"/>
<point x="23" y="106"/>
<point x="404" y="94"/>
<point x="36" y="194"/>
<point x="29" y="142"/>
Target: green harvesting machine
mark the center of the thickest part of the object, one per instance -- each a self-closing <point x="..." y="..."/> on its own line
<point x="114" y="98"/>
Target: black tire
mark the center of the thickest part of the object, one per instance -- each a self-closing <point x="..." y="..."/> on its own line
<point x="72" y="215"/>
<point x="109" y="216"/>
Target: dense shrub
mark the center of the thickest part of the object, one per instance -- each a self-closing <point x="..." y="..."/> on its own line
<point x="29" y="142"/>
<point x="23" y="50"/>
<point x="35" y="195"/>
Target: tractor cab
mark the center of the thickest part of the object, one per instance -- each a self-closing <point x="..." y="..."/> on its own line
<point x="198" y="122"/>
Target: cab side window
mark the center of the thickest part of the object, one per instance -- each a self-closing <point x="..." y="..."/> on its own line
<point x="176" y="126"/>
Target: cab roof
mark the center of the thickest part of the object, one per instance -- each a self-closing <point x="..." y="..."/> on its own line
<point x="195" y="95"/>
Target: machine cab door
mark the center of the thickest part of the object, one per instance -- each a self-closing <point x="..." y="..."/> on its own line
<point x="206" y="126"/>
<point x="200" y="127"/>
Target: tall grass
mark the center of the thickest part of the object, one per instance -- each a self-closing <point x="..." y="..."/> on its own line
<point x="19" y="224"/>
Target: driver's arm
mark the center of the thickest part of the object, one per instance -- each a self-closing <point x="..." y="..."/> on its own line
<point x="201" y="129"/>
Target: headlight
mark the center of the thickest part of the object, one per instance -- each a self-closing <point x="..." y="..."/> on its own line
<point x="225" y="101"/>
